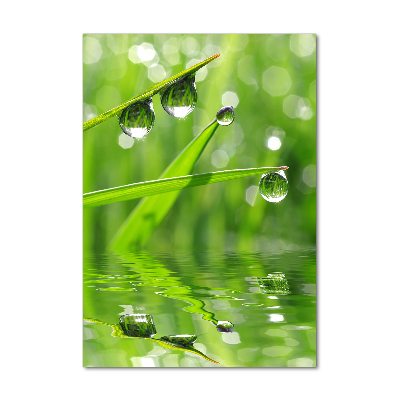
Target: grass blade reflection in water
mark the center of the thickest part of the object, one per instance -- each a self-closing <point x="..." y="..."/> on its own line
<point x="189" y="294"/>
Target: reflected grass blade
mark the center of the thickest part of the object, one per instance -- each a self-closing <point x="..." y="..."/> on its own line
<point x="145" y="95"/>
<point x="190" y="349"/>
<point x="119" y="333"/>
<point x="159" y="186"/>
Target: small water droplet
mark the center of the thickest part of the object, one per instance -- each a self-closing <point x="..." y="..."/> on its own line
<point x="225" y="115"/>
<point x="274" y="186"/>
<point x="137" y="119"/>
<point x="180" y="99"/>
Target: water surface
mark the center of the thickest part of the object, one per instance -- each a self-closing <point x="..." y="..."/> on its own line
<point x="269" y="298"/>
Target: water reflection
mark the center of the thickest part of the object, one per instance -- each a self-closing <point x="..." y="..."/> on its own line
<point x="224" y="326"/>
<point x="274" y="284"/>
<point x="190" y="303"/>
<point x="138" y="325"/>
<point x="141" y="326"/>
<point x="174" y="289"/>
<point x="182" y="340"/>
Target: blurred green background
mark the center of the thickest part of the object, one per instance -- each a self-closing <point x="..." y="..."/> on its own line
<point x="270" y="80"/>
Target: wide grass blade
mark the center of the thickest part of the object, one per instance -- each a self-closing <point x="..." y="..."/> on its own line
<point x="159" y="186"/>
<point x="148" y="214"/>
<point x="145" y="95"/>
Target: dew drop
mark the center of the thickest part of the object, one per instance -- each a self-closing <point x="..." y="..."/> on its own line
<point x="180" y="99"/>
<point x="274" y="186"/>
<point x="137" y="119"/>
<point x="225" y="115"/>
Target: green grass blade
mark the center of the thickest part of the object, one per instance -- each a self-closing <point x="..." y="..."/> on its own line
<point x="159" y="186"/>
<point x="148" y="214"/>
<point x="145" y="95"/>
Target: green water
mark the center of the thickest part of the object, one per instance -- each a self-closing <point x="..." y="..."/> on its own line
<point x="187" y="294"/>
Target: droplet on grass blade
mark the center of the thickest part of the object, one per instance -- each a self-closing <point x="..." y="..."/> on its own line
<point x="225" y="115"/>
<point x="137" y="119"/>
<point x="274" y="186"/>
<point x="180" y="99"/>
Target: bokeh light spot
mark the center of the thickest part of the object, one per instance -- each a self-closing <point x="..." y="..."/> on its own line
<point x="219" y="158"/>
<point x="273" y="143"/>
<point x="297" y="107"/>
<point x="190" y="46"/>
<point x="230" y="99"/>
<point x="302" y="44"/>
<point x="276" y="81"/>
<point x="310" y="175"/>
<point x="171" y="51"/>
<point x="238" y="134"/>
<point x="144" y="53"/>
<point x="301" y="362"/>
<point x="276" y="318"/>
<point x="133" y="55"/>
<point x="231" y="338"/>
<point x="125" y="141"/>
<point x="201" y="73"/>
<point x="92" y="50"/>
<point x="156" y="73"/>
<point x="147" y="362"/>
<point x="291" y="342"/>
<point x="251" y="195"/>
<point x="89" y="112"/>
<point x="211" y="50"/>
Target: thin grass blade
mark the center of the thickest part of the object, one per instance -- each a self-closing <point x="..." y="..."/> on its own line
<point x="159" y="186"/>
<point x="145" y="95"/>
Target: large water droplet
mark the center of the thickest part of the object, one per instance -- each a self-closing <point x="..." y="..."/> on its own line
<point x="180" y="99"/>
<point x="137" y="120"/>
<point x="225" y="115"/>
<point x="274" y="186"/>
